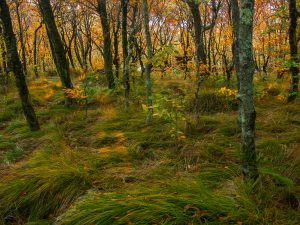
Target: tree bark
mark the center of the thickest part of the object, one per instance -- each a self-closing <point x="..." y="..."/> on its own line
<point x="116" y="60"/>
<point x="21" y="35"/>
<point x="124" y="7"/>
<point x="293" y="14"/>
<point x="148" y="67"/>
<point x="200" y="56"/>
<point x="129" y="56"/>
<point x="107" y="53"/>
<point x="246" y="107"/>
<point x="235" y="24"/>
<point x="57" y="47"/>
<point x="35" y="50"/>
<point x="15" y="66"/>
<point x="126" y="57"/>
<point x="3" y="53"/>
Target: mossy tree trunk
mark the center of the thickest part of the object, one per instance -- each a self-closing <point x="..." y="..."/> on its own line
<point x="235" y="25"/>
<point x="15" y="66"/>
<point x="107" y="53"/>
<point x="293" y="14"/>
<point x="148" y="67"/>
<point x="245" y="73"/>
<point x="57" y="47"/>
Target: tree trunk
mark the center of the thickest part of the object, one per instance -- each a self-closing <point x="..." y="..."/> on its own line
<point x="129" y="56"/>
<point x="124" y="7"/>
<point x="200" y="56"/>
<point x="21" y="35"/>
<point x="35" y="51"/>
<point x="293" y="14"/>
<point x="57" y="47"/>
<point x="139" y="54"/>
<point x="126" y="57"/>
<point x="235" y="50"/>
<point x="148" y="63"/>
<point x="116" y="60"/>
<point x="246" y="107"/>
<point x="16" y="66"/>
<point x="3" y="53"/>
<point x="107" y="54"/>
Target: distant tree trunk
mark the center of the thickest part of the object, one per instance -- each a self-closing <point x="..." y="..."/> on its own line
<point x="16" y="66"/>
<point x="126" y="57"/>
<point x="21" y="35"/>
<point x="35" y="50"/>
<point x="83" y="51"/>
<point x="124" y="6"/>
<point x="77" y="53"/>
<point x="200" y="28"/>
<point x="246" y="107"/>
<point x="293" y="14"/>
<point x="57" y="47"/>
<point x="139" y="54"/>
<point x="149" y="58"/>
<point x="129" y="56"/>
<point x="200" y="55"/>
<point x="116" y="59"/>
<point x="107" y="54"/>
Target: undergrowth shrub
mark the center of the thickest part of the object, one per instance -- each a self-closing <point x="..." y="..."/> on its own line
<point x="212" y="102"/>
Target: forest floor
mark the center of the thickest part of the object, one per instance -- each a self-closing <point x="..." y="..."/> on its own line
<point x="109" y="167"/>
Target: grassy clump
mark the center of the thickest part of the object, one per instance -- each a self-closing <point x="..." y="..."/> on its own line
<point x="187" y="202"/>
<point x="107" y="140"/>
<point x="12" y="155"/>
<point x="47" y="184"/>
<point x="211" y="102"/>
<point x="10" y="109"/>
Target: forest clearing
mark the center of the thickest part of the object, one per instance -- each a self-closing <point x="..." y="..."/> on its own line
<point x="149" y="112"/>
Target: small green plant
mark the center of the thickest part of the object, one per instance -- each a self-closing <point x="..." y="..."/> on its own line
<point x="171" y="110"/>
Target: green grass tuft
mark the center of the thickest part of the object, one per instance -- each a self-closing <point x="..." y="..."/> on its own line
<point x="47" y="184"/>
<point x="181" y="203"/>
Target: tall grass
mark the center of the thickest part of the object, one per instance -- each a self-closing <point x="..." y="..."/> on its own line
<point x="47" y="184"/>
<point x="184" y="202"/>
